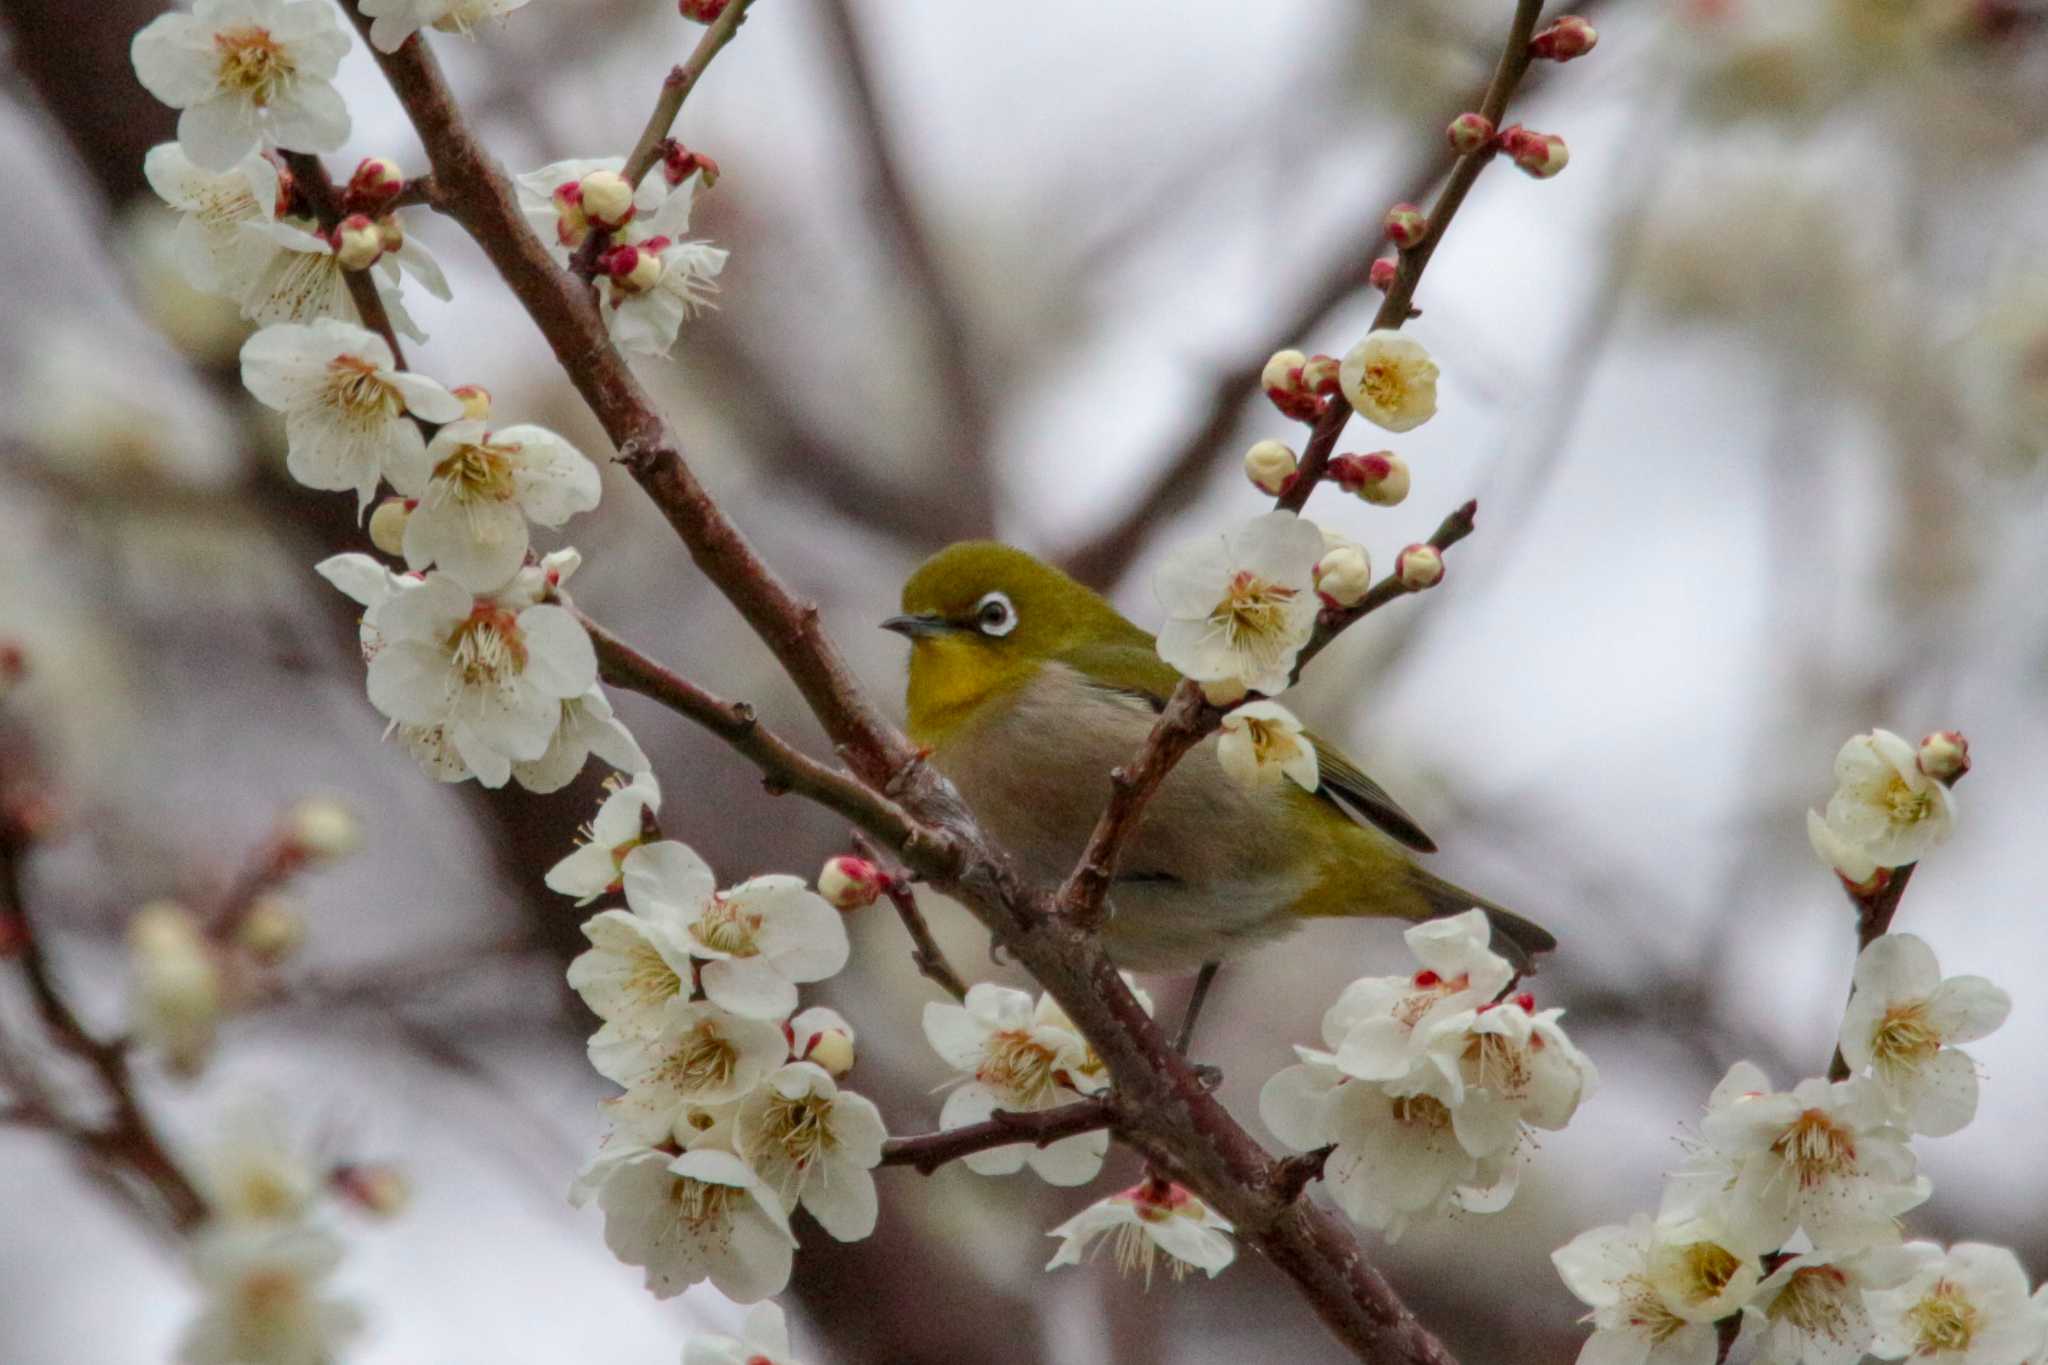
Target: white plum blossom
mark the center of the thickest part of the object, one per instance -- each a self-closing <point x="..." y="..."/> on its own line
<point x="253" y="1172"/>
<point x="177" y="993"/>
<point x="1966" y="1306"/>
<point x="242" y="71"/>
<point x="695" y="1217"/>
<point x="1812" y="1309"/>
<point x="632" y="969"/>
<point x="264" y="1302"/>
<point x="763" y="1340"/>
<point x="597" y="867"/>
<point x="1505" y="1067"/>
<point x="757" y="940"/>
<point x="211" y="245"/>
<point x="645" y="305"/>
<point x="588" y="726"/>
<point x="700" y="1055"/>
<point x="1240" y="606"/>
<point x="814" y="1144"/>
<point x="1884" y="804"/>
<point x="1262" y="742"/>
<point x="1851" y="862"/>
<point x="348" y="408"/>
<point x="1903" y="1023"/>
<point x="1391" y="381"/>
<point x="1018" y="1062"/>
<point x="1824" y="1157"/>
<point x="1149" y="1219"/>
<point x="301" y="278"/>
<point x="1655" y="1291"/>
<point x="393" y="21"/>
<point x="491" y="680"/>
<point x="478" y="488"/>
<point x="1374" y="1026"/>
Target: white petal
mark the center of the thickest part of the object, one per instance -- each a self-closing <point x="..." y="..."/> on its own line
<point x="560" y="659"/>
<point x="750" y="988"/>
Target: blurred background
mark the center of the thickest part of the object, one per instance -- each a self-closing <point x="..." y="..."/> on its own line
<point x="1753" y="397"/>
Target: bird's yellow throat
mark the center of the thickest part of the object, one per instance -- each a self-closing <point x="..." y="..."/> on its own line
<point x="951" y="678"/>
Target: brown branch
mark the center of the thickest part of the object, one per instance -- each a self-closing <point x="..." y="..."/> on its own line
<point x="309" y="177"/>
<point x="676" y="88"/>
<point x="1399" y="303"/>
<point x="1004" y="1128"/>
<point x="924" y="949"/>
<point x="1334" y="621"/>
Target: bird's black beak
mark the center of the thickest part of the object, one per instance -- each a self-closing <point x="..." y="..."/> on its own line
<point x="919" y="627"/>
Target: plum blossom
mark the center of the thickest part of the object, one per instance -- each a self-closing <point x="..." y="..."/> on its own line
<point x="1903" y="1023"/>
<point x="1966" y="1306"/>
<point x="1655" y="1290"/>
<point x="1374" y="1026"/>
<point x="242" y="71"/>
<point x="763" y="1340"/>
<point x="597" y="867"/>
<point x="491" y="680"/>
<point x="814" y="1144"/>
<point x="1851" y="862"/>
<point x="478" y="488"/>
<point x="1151" y="1218"/>
<point x="253" y="1172"/>
<point x="549" y="199"/>
<point x="632" y="969"/>
<point x="1015" y="1060"/>
<point x="1505" y="1067"/>
<point x="302" y="278"/>
<point x="588" y="726"/>
<point x="210" y="244"/>
<point x="263" y="1285"/>
<point x="655" y="280"/>
<point x="393" y="21"/>
<point x="1390" y="380"/>
<point x="699" y="1216"/>
<point x="1883" y="804"/>
<point x="1240" y="606"/>
<point x="348" y="407"/>
<point x="1812" y="1309"/>
<point x="1262" y="742"/>
<point x="700" y="1054"/>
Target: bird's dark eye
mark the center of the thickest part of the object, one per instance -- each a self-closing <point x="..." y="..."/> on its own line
<point x="993" y="615"/>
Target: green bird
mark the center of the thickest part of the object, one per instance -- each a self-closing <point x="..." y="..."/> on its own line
<point x="1028" y="688"/>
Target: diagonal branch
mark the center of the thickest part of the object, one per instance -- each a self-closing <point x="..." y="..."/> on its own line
<point x="924" y="949"/>
<point x="1005" y="1128"/>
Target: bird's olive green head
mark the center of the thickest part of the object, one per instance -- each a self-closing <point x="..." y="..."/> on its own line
<point x="982" y="618"/>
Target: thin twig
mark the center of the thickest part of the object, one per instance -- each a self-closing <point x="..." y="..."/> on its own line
<point x="1004" y="1128"/>
<point x="1335" y="621"/>
<point x="1873" y="921"/>
<point x="1204" y="979"/>
<point x="924" y="949"/>
<point x="676" y="87"/>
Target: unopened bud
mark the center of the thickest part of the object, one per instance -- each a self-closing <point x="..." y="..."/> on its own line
<point x="390" y="232"/>
<point x="851" y="883"/>
<point x="679" y="163"/>
<point x="1382" y="273"/>
<point x="633" y="269"/>
<point x="607" y="199"/>
<point x="1569" y="37"/>
<point x="701" y="11"/>
<point x="358" y="242"/>
<point x="559" y="566"/>
<point x="1282" y="382"/>
<point x="1270" y="465"/>
<point x="572" y="224"/>
<point x="1382" y="478"/>
<point x="1405" y="225"/>
<point x="1470" y="133"/>
<point x="177" y="986"/>
<point x="822" y="1036"/>
<point x="375" y="1187"/>
<point x="376" y="182"/>
<point x="320" y="828"/>
<point x="271" y="930"/>
<point x="1321" y="375"/>
<point x="1343" y="576"/>
<point x="1419" y="567"/>
<point x="1945" y="756"/>
<point x="1542" y="155"/>
<point x="475" y="400"/>
<point x="1224" y="692"/>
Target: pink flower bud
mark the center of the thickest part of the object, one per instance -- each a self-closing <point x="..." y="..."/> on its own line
<point x="701" y="11"/>
<point x="1383" y="479"/>
<point x="374" y="1187"/>
<point x="679" y="163"/>
<point x="376" y="182"/>
<point x="1419" y="567"/>
<point x="607" y="199"/>
<point x="387" y="525"/>
<point x="475" y="400"/>
<point x="1542" y="155"/>
<point x="1320" y="375"/>
<point x="851" y="884"/>
<point x="1565" y="39"/>
<point x="357" y="242"/>
<point x="390" y="232"/>
<point x="572" y="224"/>
<point x="1470" y="133"/>
<point x="1945" y="756"/>
<point x="633" y="269"/>
<point x="1271" y="466"/>
<point x="1282" y="381"/>
<point x="1382" y="273"/>
<point x="1405" y="225"/>
<point x="1343" y="576"/>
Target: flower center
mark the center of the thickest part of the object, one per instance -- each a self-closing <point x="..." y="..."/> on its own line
<point x="1253" y="616"/>
<point x="802" y="1128"/>
<point x="1022" y="1068"/>
<point x="1422" y="1111"/>
<point x="1384" y="384"/>
<point x="479" y="472"/>
<point x="1904" y="1039"/>
<point x="1493" y="1062"/>
<point x="725" y="929"/>
<point x="704" y="1059"/>
<point x="1812" y="1301"/>
<point x="252" y="63"/>
<point x="1647" y="1311"/>
<point x="698" y="1202"/>
<point x="1905" y="806"/>
<point x="650" y="980"/>
<point x="1945" y="1320"/>
<point x="1816" y="1147"/>
<point x="487" y="650"/>
<point x="358" y="394"/>
<point x="1702" y="1272"/>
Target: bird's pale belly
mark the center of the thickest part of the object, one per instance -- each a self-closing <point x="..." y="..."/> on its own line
<point x="1208" y="874"/>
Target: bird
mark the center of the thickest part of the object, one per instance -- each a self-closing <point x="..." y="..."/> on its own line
<point x="1026" y="688"/>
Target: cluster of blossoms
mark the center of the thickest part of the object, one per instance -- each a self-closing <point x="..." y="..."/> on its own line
<point x="1430" y="1084"/>
<point x="731" y="1115"/>
<point x="1785" y="1218"/>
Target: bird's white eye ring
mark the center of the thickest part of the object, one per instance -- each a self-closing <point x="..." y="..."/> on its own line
<point x="993" y="615"/>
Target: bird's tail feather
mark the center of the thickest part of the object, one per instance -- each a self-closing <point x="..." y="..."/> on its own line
<point x="1514" y="938"/>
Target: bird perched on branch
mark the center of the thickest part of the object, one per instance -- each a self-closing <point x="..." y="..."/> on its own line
<point x="1028" y="688"/>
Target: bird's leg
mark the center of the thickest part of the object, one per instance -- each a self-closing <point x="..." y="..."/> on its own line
<point x="1203" y="980"/>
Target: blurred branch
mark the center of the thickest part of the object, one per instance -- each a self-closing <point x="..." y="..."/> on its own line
<point x="1004" y="1128"/>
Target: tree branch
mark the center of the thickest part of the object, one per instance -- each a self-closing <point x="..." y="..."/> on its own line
<point x="1005" y="1128"/>
<point x="309" y="176"/>
<point x="924" y="949"/>
<point x="676" y="88"/>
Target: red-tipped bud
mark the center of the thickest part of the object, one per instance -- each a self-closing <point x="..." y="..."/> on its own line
<point x="1320" y="375"/>
<point x="633" y="269"/>
<point x="1945" y="756"/>
<point x="607" y="199"/>
<point x="475" y="400"/>
<point x="1282" y="381"/>
<point x="1525" y="1002"/>
<point x="1470" y="133"/>
<point x="679" y="163"/>
<point x="358" y="242"/>
<point x="1419" y="567"/>
<point x="572" y="224"/>
<point x="1382" y="273"/>
<point x="701" y="11"/>
<point x="390" y="232"/>
<point x="1405" y="225"/>
<point x="1271" y="466"/>
<point x="1565" y="39"/>
<point x="387" y="525"/>
<point x="1343" y="576"/>
<point x="1382" y="478"/>
<point x="851" y="883"/>
<point x="376" y="182"/>
<point x="1541" y="155"/>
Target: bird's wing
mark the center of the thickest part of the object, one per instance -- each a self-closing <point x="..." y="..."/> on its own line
<point x="1135" y="670"/>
